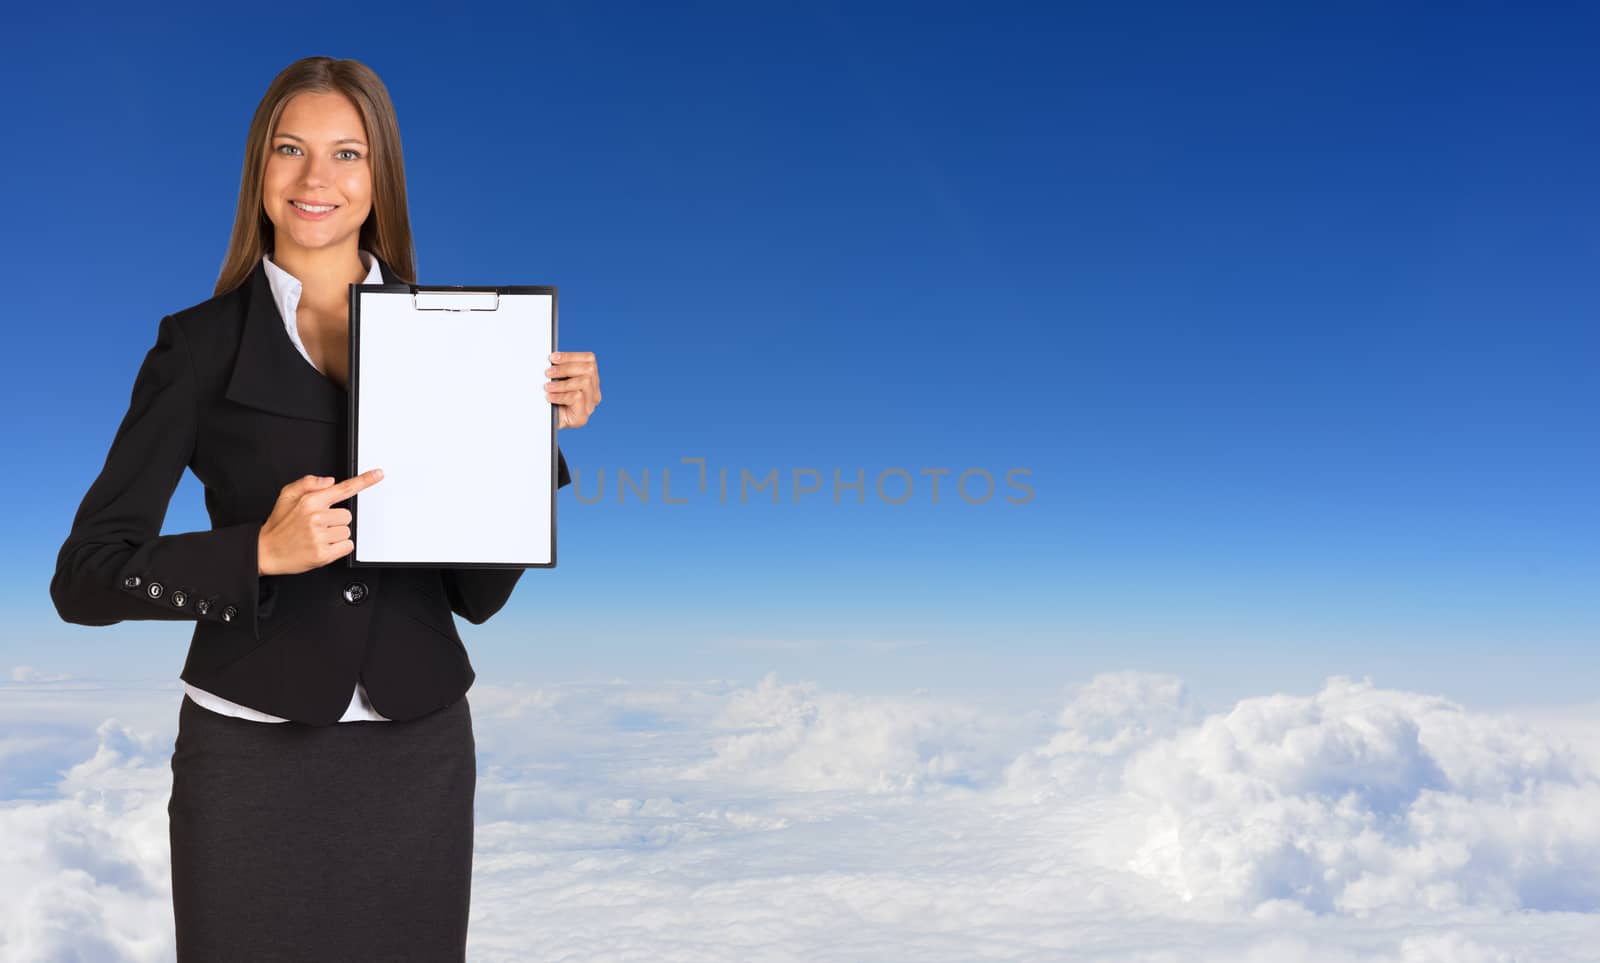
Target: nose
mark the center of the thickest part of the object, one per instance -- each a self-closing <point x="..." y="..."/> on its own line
<point x="315" y="172"/>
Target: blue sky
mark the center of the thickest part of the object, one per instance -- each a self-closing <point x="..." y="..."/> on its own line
<point x="1290" y="316"/>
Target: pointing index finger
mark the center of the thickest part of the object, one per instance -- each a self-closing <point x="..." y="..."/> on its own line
<point x="349" y="486"/>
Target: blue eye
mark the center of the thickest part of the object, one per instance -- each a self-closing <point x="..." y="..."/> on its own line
<point x="353" y="154"/>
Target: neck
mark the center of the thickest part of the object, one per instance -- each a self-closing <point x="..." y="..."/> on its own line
<point x="325" y="274"/>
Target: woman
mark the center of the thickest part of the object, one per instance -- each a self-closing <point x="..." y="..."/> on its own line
<point x="325" y="769"/>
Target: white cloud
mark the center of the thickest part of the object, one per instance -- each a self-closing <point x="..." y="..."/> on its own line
<point x="27" y="673"/>
<point x="714" y="821"/>
<point x="1359" y="799"/>
<point x="86" y="875"/>
<point x="794" y="737"/>
<point x="1103" y="722"/>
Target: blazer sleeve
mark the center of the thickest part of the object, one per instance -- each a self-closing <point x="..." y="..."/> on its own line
<point x="477" y="593"/>
<point x="115" y="564"/>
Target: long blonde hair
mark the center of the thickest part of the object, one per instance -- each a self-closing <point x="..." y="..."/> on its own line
<point x="387" y="231"/>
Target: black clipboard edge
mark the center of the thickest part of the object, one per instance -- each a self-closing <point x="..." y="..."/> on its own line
<point x="354" y="362"/>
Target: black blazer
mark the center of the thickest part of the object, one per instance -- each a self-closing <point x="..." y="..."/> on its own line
<point x="225" y="393"/>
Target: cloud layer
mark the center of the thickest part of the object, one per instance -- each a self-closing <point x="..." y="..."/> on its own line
<point x="773" y="821"/>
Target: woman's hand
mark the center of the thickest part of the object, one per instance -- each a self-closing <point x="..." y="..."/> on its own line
<point x="303" y="532"/>
<point x="578" y="392"/>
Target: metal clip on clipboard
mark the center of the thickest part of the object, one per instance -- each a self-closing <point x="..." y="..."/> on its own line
<point x="445" y="299"/>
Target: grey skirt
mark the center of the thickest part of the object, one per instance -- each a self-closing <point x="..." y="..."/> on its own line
<point x="348" y="842"/>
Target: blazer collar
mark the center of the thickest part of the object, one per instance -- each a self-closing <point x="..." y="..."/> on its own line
<point x="270" y="374"/>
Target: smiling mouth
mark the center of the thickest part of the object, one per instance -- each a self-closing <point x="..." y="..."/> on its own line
<point x="314" y="208"/>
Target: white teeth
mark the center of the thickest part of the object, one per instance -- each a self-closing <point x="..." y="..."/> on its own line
<point x="313" y="210"/>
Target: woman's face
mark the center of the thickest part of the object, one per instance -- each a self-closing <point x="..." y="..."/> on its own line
<point x="317" y="157"/>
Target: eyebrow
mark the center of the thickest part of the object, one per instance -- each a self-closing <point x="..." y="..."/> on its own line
<point x="342" y="140"/>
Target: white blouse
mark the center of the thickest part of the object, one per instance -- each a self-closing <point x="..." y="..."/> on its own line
<point x="286" y="292"/>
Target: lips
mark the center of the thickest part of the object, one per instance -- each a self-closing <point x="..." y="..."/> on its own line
<point x="306" y="215"/>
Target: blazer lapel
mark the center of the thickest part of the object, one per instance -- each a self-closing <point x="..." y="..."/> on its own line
<point x="270" y="374"/>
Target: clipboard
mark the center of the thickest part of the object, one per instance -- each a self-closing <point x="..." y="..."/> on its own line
<point x="447" y="397"/>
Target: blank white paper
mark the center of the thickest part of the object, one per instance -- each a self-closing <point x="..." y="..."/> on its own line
<point x="451" y="406"/>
